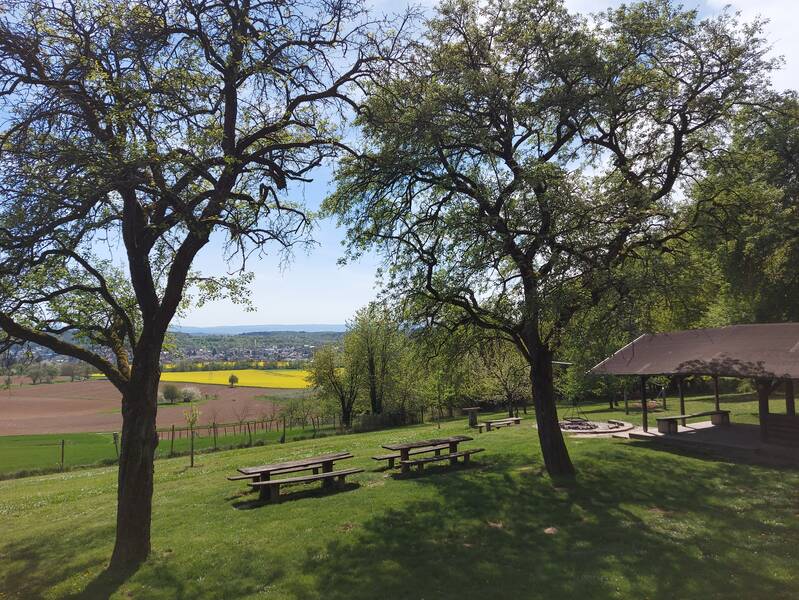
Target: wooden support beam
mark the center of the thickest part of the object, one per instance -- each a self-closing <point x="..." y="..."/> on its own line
<point x="681" y="390"/>
<point x="716" y="390"/>
<point x="790" y="402"/>
<point x="763" y="392"/>
<point x="644" y="407"/>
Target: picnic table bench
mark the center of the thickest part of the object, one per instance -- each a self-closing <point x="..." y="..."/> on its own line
<point x="497" y="423"/>
<point x="669" y="424"/>
<point x="269" y="488"/>
<point x="392" y="457"/>
<point x="435" y="445"/>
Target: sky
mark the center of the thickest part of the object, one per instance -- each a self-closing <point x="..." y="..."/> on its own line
<point x="312" y="288"/>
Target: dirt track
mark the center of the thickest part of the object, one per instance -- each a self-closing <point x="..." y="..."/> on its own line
<point x="94" y="406"/>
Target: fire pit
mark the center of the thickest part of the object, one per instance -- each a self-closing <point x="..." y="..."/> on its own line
<point x="580" y="425"/>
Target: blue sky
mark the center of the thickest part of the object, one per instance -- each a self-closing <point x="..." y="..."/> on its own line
<point x="313" y="288"/>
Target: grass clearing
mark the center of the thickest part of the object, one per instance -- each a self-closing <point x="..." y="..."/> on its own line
<point x="20" y="454"/>
<point x="637" y="522"/>
<point x="291" y="379"/>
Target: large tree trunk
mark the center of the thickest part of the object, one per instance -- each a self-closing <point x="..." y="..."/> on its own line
<point x="135" y="487"/>
<point x="553" y="448"/>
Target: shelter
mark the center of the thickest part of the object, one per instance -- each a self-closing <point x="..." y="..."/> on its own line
<point x="767" y="353"/>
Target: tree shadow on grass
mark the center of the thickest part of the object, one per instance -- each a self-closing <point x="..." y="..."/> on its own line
<point x="106" y="583"/>
<point x="30" y="567"/>
<point x="501" y="530"/>
<point x="290" y="494"/>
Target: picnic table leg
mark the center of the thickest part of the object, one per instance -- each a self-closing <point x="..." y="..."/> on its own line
<point x="273" y="492"/>
<point x="391" y="463"/>
<point x="453" y="448"/>
<point x="404" y="455"/>
<point x="263" y="491"/>
<point x="327" y="467"/>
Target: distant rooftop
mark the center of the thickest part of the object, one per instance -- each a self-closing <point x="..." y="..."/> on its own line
<point x="769" y="350"/>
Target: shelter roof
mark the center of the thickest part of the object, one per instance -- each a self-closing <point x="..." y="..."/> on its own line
<point x="768" y="350"/>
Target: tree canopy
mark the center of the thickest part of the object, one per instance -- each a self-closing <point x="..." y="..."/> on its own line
<point x="524" y="156"/>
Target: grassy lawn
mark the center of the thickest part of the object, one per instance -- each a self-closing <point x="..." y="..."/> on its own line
<point x="638" y="522"/>
<point x="38" y="452"/>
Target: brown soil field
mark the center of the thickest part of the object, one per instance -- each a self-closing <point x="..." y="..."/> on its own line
<point x="94" y="406"/>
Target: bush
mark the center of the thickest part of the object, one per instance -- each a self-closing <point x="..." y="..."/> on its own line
<point x="171" y="393"/>
<point x="190" y="394"/>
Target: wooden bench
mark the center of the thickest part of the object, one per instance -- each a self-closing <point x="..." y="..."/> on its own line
<point x="270" y="490"/>
<point x="452" y="457"/>
<point x="669" y="425"/>
<point x="497" y="423"/>
<point x="264" y="473"/>
<point x="392" y="457"/>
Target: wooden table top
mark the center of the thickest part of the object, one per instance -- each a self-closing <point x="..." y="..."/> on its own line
<point x="424" y="443"/>
<point x="296" y="464"/>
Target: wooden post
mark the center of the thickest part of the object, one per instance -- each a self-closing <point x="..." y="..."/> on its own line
<point x="716" y="390"/>
<point x="214" y="426"/>
<point x="62" y="455"/>
<point x="790" y="402"/>
<point x="644" y="407"/>
<point x="172" y="443"/>
<point x="116" y="444"/>
<point x="191" y="444"/>
<point x="626" y="401"/>
<point x="283" y="437"/>
<point x="763" y="392"/>
<point x="681" y="390"/>
<point x="249" y="432"/>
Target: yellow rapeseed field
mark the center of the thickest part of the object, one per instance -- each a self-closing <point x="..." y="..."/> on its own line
<point x="272" y="378"/>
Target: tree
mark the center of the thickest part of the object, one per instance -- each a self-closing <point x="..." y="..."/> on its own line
<point x="233" y="380"/>
<point x="501" y="370"/>
<point x="336" y="374"/>
<point x="749" y="225"/>
<point x="150" y="127"/>
<point x="514" y="165"/>
<point x="171" y="393"/>
<point x="373" y="338"/>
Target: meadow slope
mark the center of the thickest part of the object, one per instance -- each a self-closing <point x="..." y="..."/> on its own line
<point x="638" y="522"/>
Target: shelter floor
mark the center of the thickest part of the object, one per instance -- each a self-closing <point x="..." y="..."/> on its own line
<point x="740" y="438"/>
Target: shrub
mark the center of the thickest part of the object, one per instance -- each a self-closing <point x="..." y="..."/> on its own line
<point x="171" y="393"/>
<point x="190" y="394"/>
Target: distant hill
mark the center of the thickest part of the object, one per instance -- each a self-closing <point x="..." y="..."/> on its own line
<point x="258" y="329"/>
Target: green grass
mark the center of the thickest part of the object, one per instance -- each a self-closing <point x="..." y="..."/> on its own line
<point x="638" y="522"/>
<point x="25" y="454"/>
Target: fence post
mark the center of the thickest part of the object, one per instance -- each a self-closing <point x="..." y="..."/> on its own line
<point x="116" y="444"/>
<point x="172" y="443"/>
<point x="62" y="455"/>
<point x="283" y="437"/>
<point x="214" y="426"/>
<point x="249" y="432"/>
<point x="191" y="444"/>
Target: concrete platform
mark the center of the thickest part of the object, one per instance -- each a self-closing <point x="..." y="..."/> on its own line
<point x="738" y="439"/>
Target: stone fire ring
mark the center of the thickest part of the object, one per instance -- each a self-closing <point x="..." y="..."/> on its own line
<point x="608" y="427"/>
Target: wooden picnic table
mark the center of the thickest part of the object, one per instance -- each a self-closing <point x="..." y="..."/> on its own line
<point x="264" y="473"/>
<point x="405" y="448"/>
